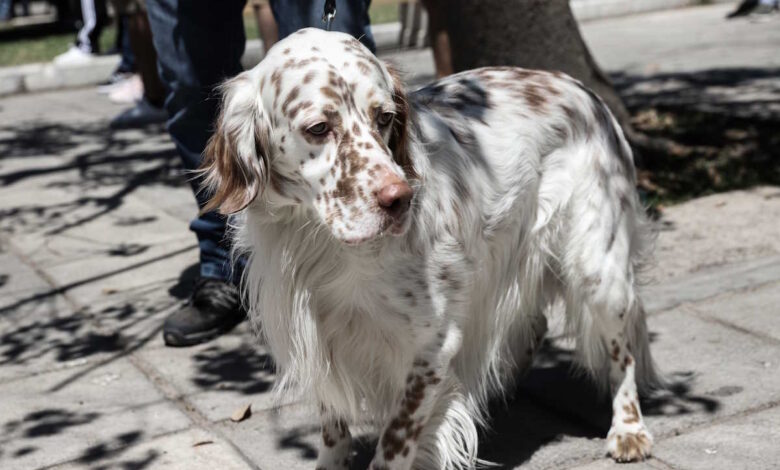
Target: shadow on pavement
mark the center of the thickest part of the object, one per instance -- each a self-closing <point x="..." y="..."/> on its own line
<point x="718" y="128"/>
<point x="242" y="369"/>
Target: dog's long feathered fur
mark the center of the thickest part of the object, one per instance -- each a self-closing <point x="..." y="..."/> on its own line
<point x="523" y="194"/>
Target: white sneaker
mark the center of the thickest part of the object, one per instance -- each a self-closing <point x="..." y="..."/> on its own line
<point x="127" y="91"/>
<point x="73" y="56"/>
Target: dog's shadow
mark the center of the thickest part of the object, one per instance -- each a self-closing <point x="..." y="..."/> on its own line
<point x="550" y="404"/>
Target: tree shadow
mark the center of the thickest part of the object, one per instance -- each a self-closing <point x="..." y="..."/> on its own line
<point x="718" y="127"/>
<point x="295" y="439"/>
<point x="183" y="287"/>
<point x="240" y="369"/>
<point x="746" y="92"/>
<point x="112" y="167"/>
<point x="41" y="424"/>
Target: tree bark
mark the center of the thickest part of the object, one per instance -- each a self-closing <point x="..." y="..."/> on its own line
<point x="534" y="34"/>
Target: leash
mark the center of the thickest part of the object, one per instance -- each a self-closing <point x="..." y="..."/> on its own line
<point x="329" y="13"/>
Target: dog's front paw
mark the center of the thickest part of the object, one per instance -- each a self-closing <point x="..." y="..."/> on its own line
<point x="629" y="446"/>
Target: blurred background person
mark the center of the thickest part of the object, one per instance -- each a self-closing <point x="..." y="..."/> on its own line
<point x="146" y="91"/>
<point x="7" y="9"/>
<point x="94" y="18"/>
<point x="126" y="66"/>
<point x="438" y="36"/>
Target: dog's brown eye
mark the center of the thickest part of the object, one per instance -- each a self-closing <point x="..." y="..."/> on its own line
<point x="320" y="128"/>
<point x="385" y="119"/>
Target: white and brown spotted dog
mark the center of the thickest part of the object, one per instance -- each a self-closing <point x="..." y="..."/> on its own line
<point x="403" y="249"/>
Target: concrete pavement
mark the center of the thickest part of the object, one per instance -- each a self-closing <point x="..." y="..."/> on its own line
<point x="94" y="253"/>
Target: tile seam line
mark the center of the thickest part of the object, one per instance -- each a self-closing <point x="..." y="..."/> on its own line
<point x="174" y="396"/>
<point x="691" y="310"/>
<point x="686" y="303"/>
<point x="42" y="273"/>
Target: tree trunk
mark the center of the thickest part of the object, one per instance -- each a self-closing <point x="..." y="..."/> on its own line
<point x="534" y="34"/>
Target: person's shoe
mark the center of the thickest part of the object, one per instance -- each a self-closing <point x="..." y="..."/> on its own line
<point x="763" y="12"/>
<point x="215" y="308"/>
<point x="140" y="115"/>
<point x="127" y="91"/>
<point x="73" y="56"/>
<point x="113" y="81"/>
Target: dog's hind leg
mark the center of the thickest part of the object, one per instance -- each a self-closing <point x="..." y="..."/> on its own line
<point x="603" y="310"/>
<point x="336" y="445"/>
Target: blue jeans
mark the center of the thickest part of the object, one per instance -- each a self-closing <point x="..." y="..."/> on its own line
<point x="351" y="17"/>
<point x="199" y="44"/>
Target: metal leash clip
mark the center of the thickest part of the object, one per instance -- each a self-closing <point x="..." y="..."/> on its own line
<point x="329" y="13"/>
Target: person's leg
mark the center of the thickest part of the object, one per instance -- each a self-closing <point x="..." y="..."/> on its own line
<point x="440" y="39"/>
<point x="351" y="17"/>
<point x="199" y="44"/>
<point x="143" y="48"/>
<point x="123" y="44"/>
<point x="269" y="32"/>
<point x="93" y="14"/>
<point x="149" y="109"/>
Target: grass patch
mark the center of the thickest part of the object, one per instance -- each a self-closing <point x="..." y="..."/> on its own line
<point x="383" y="14"/>
<point x="45" y="48"/>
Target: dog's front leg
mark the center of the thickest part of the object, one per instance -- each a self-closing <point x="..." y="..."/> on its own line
<point x="336" y="445"/>
<point x="399" y="440"/>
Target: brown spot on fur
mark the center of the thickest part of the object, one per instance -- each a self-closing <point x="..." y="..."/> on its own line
<point x="534" y="96"/>
<point x="363" y="67"/>
<point x="327" y="440"/>
<point x="309" y="77"/>
<point x="632" y="447"/>
<point x="615" y="354"/>
<point x="290" y="98"/>
<point x="331" y="93"/>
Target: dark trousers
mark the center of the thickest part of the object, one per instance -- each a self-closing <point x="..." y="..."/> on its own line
<point x="199" y="43"/>
<point x="351" y="17"/>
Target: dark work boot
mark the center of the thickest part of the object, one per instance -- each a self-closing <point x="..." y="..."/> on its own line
<point x="214" y="308"/>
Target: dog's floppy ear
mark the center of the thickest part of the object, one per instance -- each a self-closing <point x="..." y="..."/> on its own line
<point x="399" y="139"/>
<point x="235" y="163"/>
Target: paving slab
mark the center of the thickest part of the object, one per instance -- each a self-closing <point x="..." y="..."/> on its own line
<point x="710" y="282"/>
<point x="17" y="280"/>
<point x="716" y="230"/>
<point x="218" y="377"/>
<point x="286" y="438"/>
<point x="715" y="371"/>
<point x="756" y="311"/>
<point x="62" y="416"/>
<point x="609" y="464"/>
<point x="744" y="442"/>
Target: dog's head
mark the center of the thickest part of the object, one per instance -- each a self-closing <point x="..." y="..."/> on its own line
<point x="319" y="124"/>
